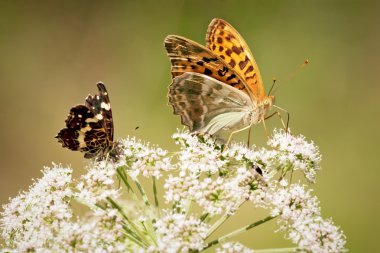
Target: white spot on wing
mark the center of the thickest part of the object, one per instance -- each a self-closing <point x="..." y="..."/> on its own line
<point x="105" y="106"/>
<point x="82" y="143"/>
<point x="85" y="129"/>
<point x="99" y="116"/>
<point x="88" y="120"/>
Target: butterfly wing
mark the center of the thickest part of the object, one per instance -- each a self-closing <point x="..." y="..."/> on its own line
<point x="89" y="127"/>
<point x="188" y="56"/>
<point x="226" y="42"/>
<point x="100" y="106"/>
<point x="208" y="105"/>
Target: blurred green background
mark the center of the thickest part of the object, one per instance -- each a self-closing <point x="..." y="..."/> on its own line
<point x="53" y="52"/>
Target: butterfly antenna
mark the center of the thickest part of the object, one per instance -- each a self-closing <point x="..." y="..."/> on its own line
<point x="293" y="74"/>
<point x="271" y="88"/>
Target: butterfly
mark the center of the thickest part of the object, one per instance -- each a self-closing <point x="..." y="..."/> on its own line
<point x="218" y="86"/>
<point x="89" y="127"/>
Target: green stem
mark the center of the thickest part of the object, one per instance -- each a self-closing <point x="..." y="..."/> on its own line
<point x="150" y="226"/>
<point x="121" y="173"/>
<point x="219" y="222"/>
<point x="132" y="236"/>
<point x="135" y="231"/>
<point x="204" y="217"/>
<point x="278" y="250"/>
<point x="142" y="192"/>
<point x="238" y="231"/>
<point x="155" y="192"/>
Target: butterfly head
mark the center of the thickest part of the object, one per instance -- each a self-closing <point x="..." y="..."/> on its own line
<point x="268" y="101"/>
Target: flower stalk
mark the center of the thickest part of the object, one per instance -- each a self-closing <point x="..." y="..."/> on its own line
<point x="238" y="232"/>
<point x="135" y="232"/>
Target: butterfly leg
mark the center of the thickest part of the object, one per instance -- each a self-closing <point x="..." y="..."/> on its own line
<point x="282" y="121"/>
<point x="249" y="136"/>
<point x="265" y="126"/>
<point x="279" y="115"/>
<point x="285" y="126"/>
<point x="234" y="132"/>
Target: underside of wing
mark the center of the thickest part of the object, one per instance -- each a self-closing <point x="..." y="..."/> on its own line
<point x="208" y="105"/>
<point x="100" y="106"/>
<point x="89" y="127"/>
<point x="91" y="142"/>
<point x="84" y="132"/>
<point x="227" y="43"/>
<point x="189" y="56"/>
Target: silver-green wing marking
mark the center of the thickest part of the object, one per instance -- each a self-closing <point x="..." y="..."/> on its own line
<point x="208" y="105"/>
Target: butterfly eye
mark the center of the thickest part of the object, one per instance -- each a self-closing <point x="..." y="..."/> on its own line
<point x="268" y="101"/>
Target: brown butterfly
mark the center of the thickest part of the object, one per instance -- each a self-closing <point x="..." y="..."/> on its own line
<point x="89" y="127"/>
<point x="218" y="86"/>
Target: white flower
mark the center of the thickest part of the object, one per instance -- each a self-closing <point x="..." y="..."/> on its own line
<point x="178" y="233"/>
<point x="294" y="152"/>
<point x="145" y="160"/>
<point x="249" y="181"/>
<point x="97" y="184"/>
<point x="41" y="219"/>
<point x="233" y="247"/>
<point x="180" y="188"/>
<point x="35" y="217"/>
<point x="299" y="216"/>
<point x="102" y="232"/>
<point x="215" y="195"/>
<point x="252" y="158"/>
<point x="204" y="181"/>
<point x="198" y="153"/>
<point x="318" y="235"/>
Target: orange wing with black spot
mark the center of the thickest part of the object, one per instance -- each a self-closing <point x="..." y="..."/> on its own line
<point x="228" y="44"/>
<point x="188" y="56"/>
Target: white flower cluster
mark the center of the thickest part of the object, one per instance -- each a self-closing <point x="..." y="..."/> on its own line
<point x="179" y="233"/>
<point x="35" y="218"/>
<point x="233" y="247"/>
<point x="41" y="220"/>
<point x="218" y="181"/>
<point x="299" y="216"/>
<point x="102" y="232"/>
<point x="97" y="184"/>
<point x="294" y="152"/>
<point x="198" y="154"/>
<point x="142" y="159"/>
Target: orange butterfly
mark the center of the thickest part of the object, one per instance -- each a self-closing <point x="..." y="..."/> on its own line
<point x="219" y="86"/>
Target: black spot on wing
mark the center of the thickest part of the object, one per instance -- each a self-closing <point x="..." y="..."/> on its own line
<point x="77" y="117"/>
<point x="207" y="71"/>
<point x="68" y="138"/>
<point x="231" y="77"/>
